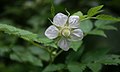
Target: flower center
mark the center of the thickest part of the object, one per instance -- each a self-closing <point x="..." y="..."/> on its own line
<point x="66" y="32"/>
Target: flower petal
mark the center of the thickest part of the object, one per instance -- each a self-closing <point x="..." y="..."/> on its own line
<point x="60" y="19"/>
<point x="76" y="35"/>
<point x="74" y="21"/>
<point x="64" y="44"/>
<point x="52" y="32"/>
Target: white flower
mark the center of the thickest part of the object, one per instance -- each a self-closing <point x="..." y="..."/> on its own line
<point x="67" y="28"/>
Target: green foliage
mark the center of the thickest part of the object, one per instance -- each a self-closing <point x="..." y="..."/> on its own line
<point x="74" y="56"/>
<point x="80" y="14"/>
<point x="107" y="17"/>
<point x="76" y="45"/>
<point x="26" y="35"/>
<point x="4" y="50"/>
<point x="97" y="32"/>
<point x="102" y="24"/>
<point x="86" y="26"/>
<point x="95" y="67"/>
<point x="52" y="10"/>
<point x="95" y="10"/>
<point x="95" y="58"/>
<point x="23" y="55"/>
<point x="94" y="54"/>
<point x="110" y="60"/>
<point x="91" y="59"/>
<point x="44" y="55"/>
<point x="41" y="53"/>
<point x="76" y="67"/>
<point x="53" y="67"/>
<point x="18" y="32"/>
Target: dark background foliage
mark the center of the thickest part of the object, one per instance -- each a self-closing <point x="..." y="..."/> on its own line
<point x="33" y="15"/>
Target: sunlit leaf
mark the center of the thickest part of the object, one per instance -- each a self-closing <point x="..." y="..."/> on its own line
<point x="95" y="10"/>
<point x="79" y="13"/>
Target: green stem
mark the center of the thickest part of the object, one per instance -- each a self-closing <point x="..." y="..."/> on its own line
<point x="51" y="58"/>
<point x="46" y="49"/>
<point x="57" y="54"/>
<point x="88" y="18"/>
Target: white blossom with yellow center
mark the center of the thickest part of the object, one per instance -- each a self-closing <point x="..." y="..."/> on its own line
<point x="67" y="28"/>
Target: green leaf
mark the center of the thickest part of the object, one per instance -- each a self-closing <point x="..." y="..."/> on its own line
<point x="46" y="42"/>
<point x="108" y="27"/>
<point x="52" y="9"/>
<point x="18" y="32"/>
<point x="110" y="60"/>
<point x="23" y="55"/>
<point x="26" y="57"/>
<point x="79" y="13"/>
<point x="86" y="26"/>
<point x="103" y="24"/>
<point x="26" y="35"/>
<point x="53" y="67"/>
<point x="76" y="45"/>
<point x="74" y="56"/>
<point x="95" y="67"/>
<point x="15" y="57"/>
<point x="107" y="17"/>
<point x="95" y="10"/>
<point x="4" y="50"/>
<point x="100" y="23"/>
<point x="6" y="21"/>
<point x="36" y="61"/>
<point x="91" y="56"/>
<point x="41" y="53"/>
<point x="76" y="67"/>
<point x="97" y="32"/>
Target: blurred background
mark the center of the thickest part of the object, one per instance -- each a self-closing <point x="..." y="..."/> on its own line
<point x="33" y="15"/>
